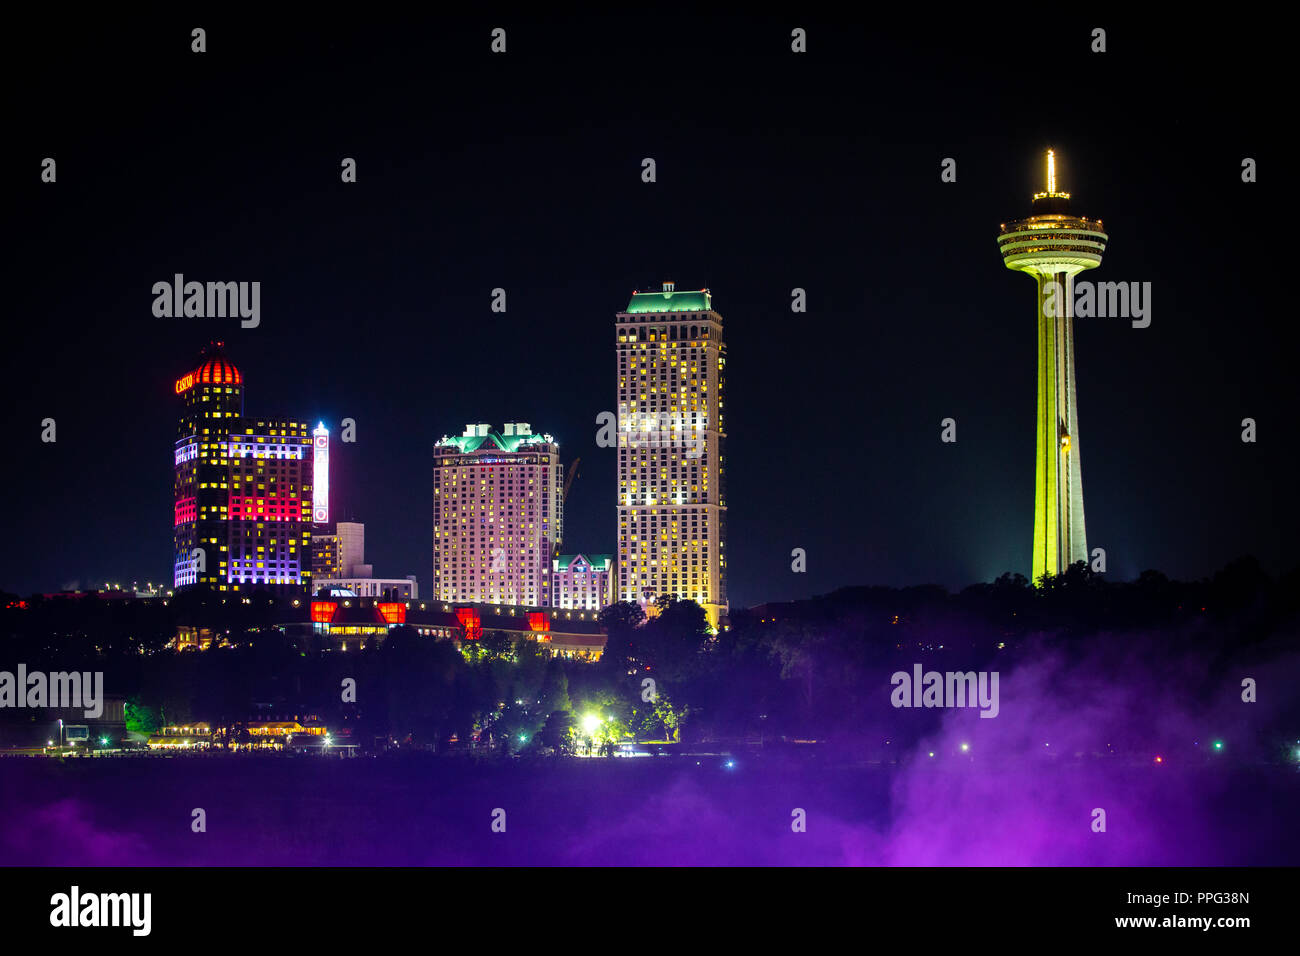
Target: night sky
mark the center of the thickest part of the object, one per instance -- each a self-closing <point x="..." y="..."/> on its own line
<point x="775" y="171"/>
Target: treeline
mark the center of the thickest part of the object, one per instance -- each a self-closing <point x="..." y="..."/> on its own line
<point x="815" y="669"/>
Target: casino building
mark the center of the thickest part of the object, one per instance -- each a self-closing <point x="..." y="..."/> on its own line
<point x="243" y="487"/>
<point x="342" y="623"/>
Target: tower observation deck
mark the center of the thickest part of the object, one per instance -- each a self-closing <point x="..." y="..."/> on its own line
<point x="1053" y="246"/>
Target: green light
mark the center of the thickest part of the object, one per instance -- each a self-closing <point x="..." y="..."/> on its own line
<point x="697" y="301"/>
<point x="507" y="443"/>
<point x="1218" y="745"/>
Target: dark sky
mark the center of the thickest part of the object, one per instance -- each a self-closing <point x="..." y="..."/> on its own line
<point x="774" y="171"/>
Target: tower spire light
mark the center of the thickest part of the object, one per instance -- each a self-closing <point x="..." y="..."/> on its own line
<point x="1051" y="191"/>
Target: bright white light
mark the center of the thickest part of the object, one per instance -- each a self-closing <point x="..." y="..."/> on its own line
<point x="320" y="491"/>
<point x="591" y="723"/>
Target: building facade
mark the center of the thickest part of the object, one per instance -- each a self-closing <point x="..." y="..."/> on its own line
<point x="339" y="550"/>
<point x="497" y="516"/>
<point x="672" y="507"/>
<point x="581" y="582"/>
<point x="345" y="623"/>
<point x="271" y="473"/>
<point x="242" y="488"/>
<point x="396" y="589"/>
<point x="326" y="555"/>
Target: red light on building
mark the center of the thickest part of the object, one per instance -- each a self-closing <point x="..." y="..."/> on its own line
<point x="393" y="612"/>
<point x="471" y="622"/>
<point x="186" y="381"/>
<point x="219" y="372"/>
<point x="539" y="621"/>
<point x="186" y="510"/>
<point x="267" y="508"/>
<point x="322" y="612"/>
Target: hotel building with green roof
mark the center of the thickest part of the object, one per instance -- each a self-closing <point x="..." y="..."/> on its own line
<point x="497" y="516"/>
<point x="672" y="504"/>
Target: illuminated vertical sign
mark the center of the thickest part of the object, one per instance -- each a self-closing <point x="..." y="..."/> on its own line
<point x="320" y="511"/>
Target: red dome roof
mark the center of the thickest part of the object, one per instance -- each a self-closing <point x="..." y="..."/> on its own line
<point x="213" y="370"/>
<point x="218" y="371"/>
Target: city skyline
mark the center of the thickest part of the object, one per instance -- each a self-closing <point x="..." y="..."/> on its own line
<point x="605" y="439"/>
<point x="402" y="337"/>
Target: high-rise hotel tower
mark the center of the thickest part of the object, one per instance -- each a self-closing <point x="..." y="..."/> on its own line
<point x="498" y="516"/>
<point x="243" y="494"/>
<point x="1053" y="247"/>
<point x="672" y="494"/>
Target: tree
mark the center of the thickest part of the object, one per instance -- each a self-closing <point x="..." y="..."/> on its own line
<point x="558" y="731"/>
<point x="554" y="695"/>
<point x="623" y="616"/>
<point x="670" y="717"/>
<point x="497" y="646"/>
<point x="672" y="642"/>
<point x="141" y="718"/>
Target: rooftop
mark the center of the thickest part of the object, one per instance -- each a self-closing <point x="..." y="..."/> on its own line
<point x="512" y="437"/>
<point x="668" y="299"/>
<point x="598" y="562"/>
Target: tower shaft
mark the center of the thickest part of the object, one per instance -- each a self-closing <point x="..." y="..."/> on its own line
<point x="1060" y="537"/>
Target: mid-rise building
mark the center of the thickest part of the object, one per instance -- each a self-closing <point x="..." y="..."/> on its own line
<point x="326" y="556"/>
<point x="339" y="561"/>
<point x="497" y="516"/>
<point x="672" y="504"/>
<point x="581" y="582"/>
<point x="339" y="550"/>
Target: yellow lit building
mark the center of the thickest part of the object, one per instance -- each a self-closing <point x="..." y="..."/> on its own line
<point x="672" y="507"/>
